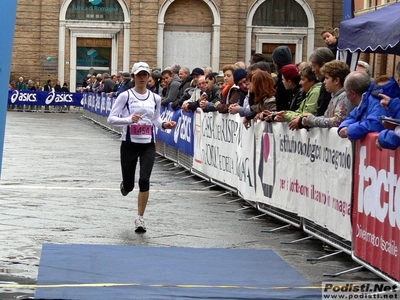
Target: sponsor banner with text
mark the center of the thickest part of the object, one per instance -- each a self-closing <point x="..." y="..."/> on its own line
<point x="224" y="149"/>
<point x="99" y="104"/>
<point x="376" y="208"/>
<point x="313" y="176"/>
<point x="182" y="136"/>
<point x="44" y="98"/>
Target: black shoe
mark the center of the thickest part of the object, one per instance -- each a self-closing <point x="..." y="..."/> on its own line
<point x="121" y="187"/>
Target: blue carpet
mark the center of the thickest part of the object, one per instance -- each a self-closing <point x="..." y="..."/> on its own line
<point x="135" y="272"/>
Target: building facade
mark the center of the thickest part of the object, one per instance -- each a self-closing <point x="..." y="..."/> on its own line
<point x="67" y="39"/>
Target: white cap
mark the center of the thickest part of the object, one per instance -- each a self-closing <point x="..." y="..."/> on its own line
<point x="140" y="66"/>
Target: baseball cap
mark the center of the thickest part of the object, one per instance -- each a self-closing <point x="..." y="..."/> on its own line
<point x="140" y="66"/>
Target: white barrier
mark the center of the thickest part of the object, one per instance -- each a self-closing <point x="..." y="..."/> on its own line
<point x="307" y="173"/>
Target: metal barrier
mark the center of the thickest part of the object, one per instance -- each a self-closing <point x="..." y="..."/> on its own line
<point x="181" y="159"/>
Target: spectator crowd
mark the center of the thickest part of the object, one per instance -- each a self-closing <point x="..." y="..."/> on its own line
<point x="321" y="92"/>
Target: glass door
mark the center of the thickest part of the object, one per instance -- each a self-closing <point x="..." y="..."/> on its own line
<point x="93" y="56"/>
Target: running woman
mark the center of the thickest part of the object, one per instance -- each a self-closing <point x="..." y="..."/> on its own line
<point x="137" y="110"/>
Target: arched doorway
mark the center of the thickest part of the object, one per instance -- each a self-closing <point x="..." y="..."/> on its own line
<point x="271" y="23"/>
<point x="180" y="41"/>
<point x="89" y="38"/>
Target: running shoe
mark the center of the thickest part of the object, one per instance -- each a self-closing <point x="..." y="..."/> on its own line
<point x="121" y="187"/>
<point x="140" y="226"/>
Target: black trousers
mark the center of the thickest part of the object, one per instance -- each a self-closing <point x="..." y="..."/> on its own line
<point x="130" y="153"/>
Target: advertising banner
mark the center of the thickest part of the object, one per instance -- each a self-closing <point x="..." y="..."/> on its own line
<point x="8" y="11"/>
<point x="99" y="104"/>
<point x="224" y="149"/>
<point x="313" y="175"/>
<point x="376" y="209"/>
<point x="182" y="136"/>
<point x="44" y="98"/>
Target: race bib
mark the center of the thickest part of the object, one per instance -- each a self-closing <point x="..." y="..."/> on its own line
<point x="139" y="130"/>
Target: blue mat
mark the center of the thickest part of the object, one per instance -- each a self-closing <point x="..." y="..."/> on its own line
<point x="135" y="272"/>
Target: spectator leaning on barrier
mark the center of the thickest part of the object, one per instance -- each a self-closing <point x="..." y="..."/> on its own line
<point x="311" y="87"/>
<point x="126" y="79"/>
<point x="213" y="94"/>
<point x="262" y="85"/>
<point x="117" y="86"/>
<point x="137" y="111"/>
<point x="199" y="93"/>
<point x="339" y="107"/>
<point x="97" y="84"/>
<point x="229" y="82"/>
<point x="234" y="92"/>
<point x="318" y="58"/>
<point x="291" y="81"/>
<point x="88" y="87"/>
<point x="108" y="83"/>
<point x="365" y="117"/>
<point x="188" y="92"/>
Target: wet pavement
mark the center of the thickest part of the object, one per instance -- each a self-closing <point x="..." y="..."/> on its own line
<point x="59" y="184"/>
